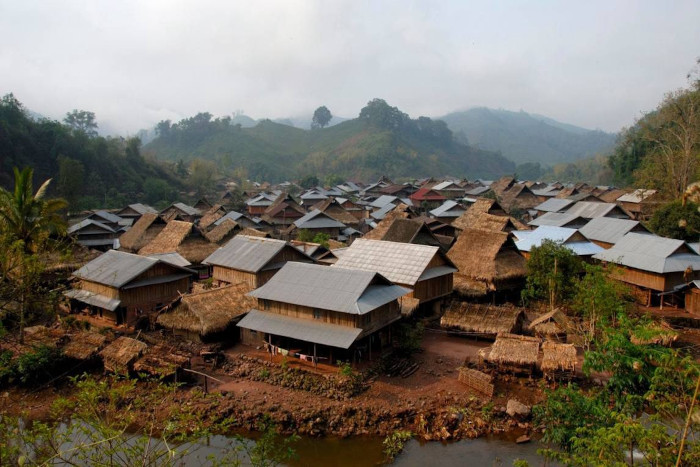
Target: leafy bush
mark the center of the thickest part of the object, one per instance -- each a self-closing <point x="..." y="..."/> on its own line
<point x="38" y="366"/>
<point x="395" y="442"/>
<point x="677" y="221"/>
<point x="409" y="338"/>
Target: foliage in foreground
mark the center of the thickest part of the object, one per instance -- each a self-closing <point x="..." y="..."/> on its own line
<point x="112" y="422"/>
<point x="395" y="442"/>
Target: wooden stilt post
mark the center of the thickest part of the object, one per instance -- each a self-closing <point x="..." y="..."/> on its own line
<point x="315" y="359"/>
<point x="370" y="347"/>
<point x="269" y="341"/>
<point x="206" y="386"/>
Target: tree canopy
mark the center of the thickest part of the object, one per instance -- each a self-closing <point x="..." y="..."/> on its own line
<point x="322" y="117"/>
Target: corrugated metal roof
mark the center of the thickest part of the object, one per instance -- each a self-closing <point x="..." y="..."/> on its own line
<point x="86" y="222"/>
<point x="478" y="190"/>
<point x="317" y="220"/>
<point x="189" y="210"/>
<point x="92" y="298"/>
<point x="143" y="208"/>
<point x="520" y="234"/>
<point x="172" y="258"/>
<point x="556" y="219"/>
<point x="304" y="330"/>
<point x="593" y="209"/>
<point x="232" y="215"/>
<point x="651" y="253"/>
<point x="337" y="289"/>
<point x="637" y="196"/>
<point x="156" y="280"/>
<point x="437" y="272"/>
<point x="554" y="205"/>
<point x="108" y="216"/>
<point x="608" y="229"/>
<point x="563" y="235"/>
<point x="383" y="201"/>
<point x="381" y="213"/>
<point x="402" y="263"/>
<point x="115" y="268"/>
<point x="448" y="209"/>
<point x="246" y="253"/>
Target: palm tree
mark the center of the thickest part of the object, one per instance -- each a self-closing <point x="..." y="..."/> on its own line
<point x="27" y="216"/>
<point x="28" y="222"/>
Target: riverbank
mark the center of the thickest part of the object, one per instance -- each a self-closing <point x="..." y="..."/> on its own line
<point x="430" y="403"/>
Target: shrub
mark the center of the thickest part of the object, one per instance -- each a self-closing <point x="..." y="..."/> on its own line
<point x="38" y="366"/>
<point x="395" y="442"/>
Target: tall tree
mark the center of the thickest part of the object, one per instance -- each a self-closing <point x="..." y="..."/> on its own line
<point x="322" y="117"/>
<point x="83" y="121"/>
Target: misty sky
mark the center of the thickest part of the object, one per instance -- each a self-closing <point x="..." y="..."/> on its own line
<point x="134" y="63"/>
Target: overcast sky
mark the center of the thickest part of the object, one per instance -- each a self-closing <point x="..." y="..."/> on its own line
<point x="134" y="63"/>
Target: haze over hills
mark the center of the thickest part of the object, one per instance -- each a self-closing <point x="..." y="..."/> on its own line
<point x="382" y="140"/>
<point x="524" y="137"/>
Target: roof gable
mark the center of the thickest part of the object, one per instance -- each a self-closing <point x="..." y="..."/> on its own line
<point x="245" y="253"/>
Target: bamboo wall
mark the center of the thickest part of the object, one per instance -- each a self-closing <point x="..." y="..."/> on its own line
<point x="234" y="276"/>
<point x="433" y="288"/>
<point x="692" y="301"/>
<point x="305" y="312"/>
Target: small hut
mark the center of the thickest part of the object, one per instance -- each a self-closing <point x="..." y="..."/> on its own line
<point x="476" y="380"/>
<point x="553" y="325"/>
<point x="161" y="363"/>
<point x="84" y="345"/>
<point x="659" y="333"/>
<point x="120" y="355"/>
<point x="402" y="211"/>
<point x="141" y="233"/>
<point x="223" y="232"/>
<point x="514" y="352"/>
<point x="483" y="320"/>
<point x="558" y="360"/>
<point x="207" y="315"/>
<point x="212" y="214"/>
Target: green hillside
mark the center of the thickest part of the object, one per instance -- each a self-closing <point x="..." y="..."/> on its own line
<point x="523" y="137"/>
<point x="88" y="170"/>
<point x="382" y="140"/>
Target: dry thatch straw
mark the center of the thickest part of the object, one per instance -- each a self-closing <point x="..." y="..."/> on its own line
<point x="552" y="324"/>
<point x="254" y="233"/>
<point x="161" y="362"/>
<point x="84" y="345"/>
<point x="476" y="380"/>
<point x="169" y="239"/>
<point x="414" y="231"/>
<point x="335" y="244"/>
<point x="40" y="335"/>
<point x="209" y="312"/>
<point x="332" y="208"/>
<point x="222" y="232"/>
<point x="141" y="233"/>
<point x="484" y="319"/>
<point x="196" y="249"/>
<point x="212" y="215"/>
<point x="659" y="333"/>
<point x="512" y="349"/>
<point x="558" y="357"/>
<point x="402" y="211"/>
<point x="76" y="258"/>
<point x="119" y="356"/>
<point x="485" y="256"/>
<point x="484" y="214"/>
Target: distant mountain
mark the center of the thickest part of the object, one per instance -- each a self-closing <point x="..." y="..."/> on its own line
<point x="382" y="140"/>
<point x="524" y="137"/>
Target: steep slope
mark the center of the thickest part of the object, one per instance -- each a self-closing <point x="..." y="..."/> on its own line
<point x="382" y="140"/>
<point x="522" y="137"/>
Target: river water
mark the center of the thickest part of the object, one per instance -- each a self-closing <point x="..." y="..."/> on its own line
<point x="360" y="452"/>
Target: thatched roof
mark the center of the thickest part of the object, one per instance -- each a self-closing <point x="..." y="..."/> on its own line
<point x="169" y="239"/>
<point x="414" y="231"/>
<point x="487" y="256"/>
<point x="553" y="323"/>
<point x="161" y="362"/>
<point x="659" y="333"/>
<point x="332" y="208"/>
<point x="122" y="353"/>
<point x="77" y="257"/>
<point x="212" y="215"/>
<point x="222" y="232"/>
<point x="142" y="232"/>
<point x="254" y="233"/>
<point x="402" y="211"/>
<point x="558" y="357"/>
<point x="478" y="219"/>
<point x="482" y="319"/>
<point x="335" y="244"/>
<point x="518" y="196"/>
<point x="512" y="349"/>
<point x="84" y="345"/>
<point x="196" y="249"/>
<point x="40" y="335"/>
<point x="210" y="311"/>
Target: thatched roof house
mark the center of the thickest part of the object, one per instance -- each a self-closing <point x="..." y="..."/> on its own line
<point x="183" y="238"/>
<point x="161" y="362"/>
<point x="205" y="314"/>
<point x="141" y="233"/>
<point x="483" y="319"/>
<point x="283" y="211"/>
<point x="558" y="359"/>
<point x="84" y="345"/>
<point x="402" y="211"/>
<point x="416" y="232"/>
<point x="484" y="214"/>
<point x="333" y="208"/>
<point x="250" y="232"/>
<point x="212" y="215"/>
<point x="223" y="232"/>
<point x="120" y="355"/>
<point x="659" y="333"/>
<point x="512" y="350"/>
<point x="488" y="261"/>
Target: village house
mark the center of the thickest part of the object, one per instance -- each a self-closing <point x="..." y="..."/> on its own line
<point x="111" y="220"/>
<point x="332" y="208"/>
<point x="654" y="265"/>
<point x="283" y="212"/>
<point x="121" y="287"/>
<point x="450" y="189"/>
<point x="313" y="312"/>
<point x="316" y="222"/>
<point x="592" y="210"/>
<point x="93" y="234"/>
<point x="569" y="238"/>
<point x="487" y="214"/>
<point x="223" y="232"/>
<point x="211" y="215"/>
<point x="240" y="219"/>
<point x="559" y="219"/>
<point x="257" y="205"/>
<point x="251" y="260"/>
<point x="607" y="231"/>
<point x="135" y="211"/>
<point x="417" y="232"/>
<point x="427" y="199"/>
<point x="641" y="203"/>
<point x="402" y="211"/>
<point x="448" y="211"/>
<point x="180" y="212"/>
<point x="142" y="232"/>
<point x="425" y="270"/>
<point x="202" y="205"/>
<point x="313" y="196"/>
<point x="489" y="263"/>
<point x="399" y="191"/>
